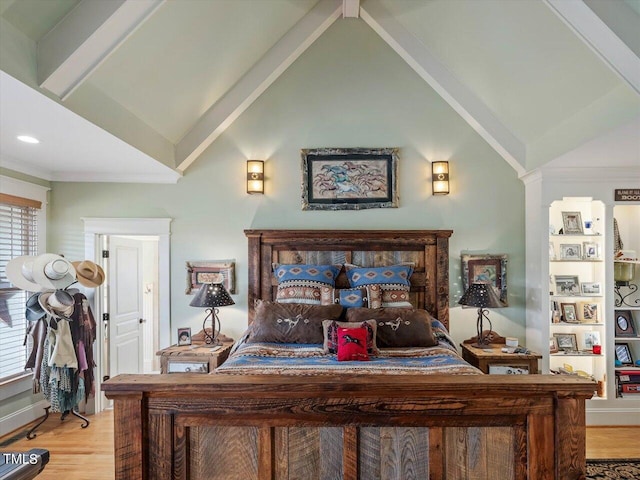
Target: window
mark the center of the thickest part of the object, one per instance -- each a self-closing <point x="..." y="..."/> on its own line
<point x="18" y="236"/>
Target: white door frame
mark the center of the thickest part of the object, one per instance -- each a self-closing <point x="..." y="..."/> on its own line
<point x="160" y="227"/>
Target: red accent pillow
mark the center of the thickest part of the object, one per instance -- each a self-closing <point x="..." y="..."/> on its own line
<point x="352" y="344"/>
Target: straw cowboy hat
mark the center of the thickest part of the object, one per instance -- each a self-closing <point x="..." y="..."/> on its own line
<point x="58" y="304"/>
<point x="53" y="271"/>
<point x="88" y="273"/>
<point x="19" y="271"/>
<point x="34" y="310"/>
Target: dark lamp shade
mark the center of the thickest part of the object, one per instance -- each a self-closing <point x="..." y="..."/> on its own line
<point x="481" y="295"/>
<point x="212" y="295"/>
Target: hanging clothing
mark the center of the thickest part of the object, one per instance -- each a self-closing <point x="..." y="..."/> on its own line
<point x="62" y="356"/>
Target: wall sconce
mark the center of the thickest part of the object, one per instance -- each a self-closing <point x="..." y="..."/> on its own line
<point x="440" y="178"/>
<point x="255" y="176"/>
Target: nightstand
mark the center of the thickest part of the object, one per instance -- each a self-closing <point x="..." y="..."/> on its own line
<point x="493" y="360"/>
<point x="196" y="358"/>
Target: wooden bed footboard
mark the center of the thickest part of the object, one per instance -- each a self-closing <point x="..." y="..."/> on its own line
<point x="226" y="427"/>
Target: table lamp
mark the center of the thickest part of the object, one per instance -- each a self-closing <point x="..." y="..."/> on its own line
<point x="483" y="296"/>
<point x="211" y="296"/>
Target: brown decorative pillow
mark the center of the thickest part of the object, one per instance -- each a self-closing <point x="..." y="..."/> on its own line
<point x="291" y="322"/>
<point x="330" y="333"/>
<point x="397" y="327"/>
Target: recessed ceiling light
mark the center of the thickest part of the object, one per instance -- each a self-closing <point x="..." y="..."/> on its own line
<point x="28" y="139"/>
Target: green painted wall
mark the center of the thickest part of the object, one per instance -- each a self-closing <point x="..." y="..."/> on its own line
<point x="348" y="90"/>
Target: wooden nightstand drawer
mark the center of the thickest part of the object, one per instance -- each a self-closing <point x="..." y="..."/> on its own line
<point x="494" y="360"/>
<point x="196" y="358"/>
<point x="187" y="366"/>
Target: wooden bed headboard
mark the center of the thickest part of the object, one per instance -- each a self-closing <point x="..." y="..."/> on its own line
<point x="427" y="249"/>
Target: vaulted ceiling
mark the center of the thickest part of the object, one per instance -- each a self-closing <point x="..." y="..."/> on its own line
<point x="157" y="81"/>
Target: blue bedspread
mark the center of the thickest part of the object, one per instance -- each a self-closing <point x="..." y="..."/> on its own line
<point x="299" y="359"/>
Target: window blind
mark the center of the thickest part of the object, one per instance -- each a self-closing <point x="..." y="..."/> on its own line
<point x="18" y="236"/>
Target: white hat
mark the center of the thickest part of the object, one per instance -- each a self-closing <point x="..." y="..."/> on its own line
<point x="88" y="273"/>
<point x="53" y="271"/>
<point x="19" y="271"/>
<point x="58" y="303"/>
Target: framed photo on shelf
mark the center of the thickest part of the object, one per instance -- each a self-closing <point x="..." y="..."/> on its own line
<point x="570" y="251"/>
<point x="567" y="285"/>
<point x="590" y="250"/>
<point x="593" y="289"/>
<point x="623" y="354"/>
<point x="572" y="223"/>
<point x="625" y="326"/>
<point x="589" y="312"/>
<point x="553" y="345"/>
<point x="567" y="342"/>
<point x="590" y="339"/>
<point x="184" y="336"/>
<point x="569" y="312"/>
<point x="486" y="269"/>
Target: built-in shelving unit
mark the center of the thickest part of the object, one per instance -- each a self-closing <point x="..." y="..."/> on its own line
<point x="577" y="282"/>
<point x="626" y="313"/>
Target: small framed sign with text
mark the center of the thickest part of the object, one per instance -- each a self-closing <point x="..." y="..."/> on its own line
<point x="627" y="194"/>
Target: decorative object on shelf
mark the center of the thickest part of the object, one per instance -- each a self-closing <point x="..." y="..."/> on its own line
<point x="255" y="176"/>
<point x="593" y="289"/>
<point x="567" y="342"/>
<point x="625" y="327"/>
<point x="572" y="223"/>
<point x="211" y="296"/>
<point x="624" y="264"/>
<point x="349" y="178"/>
<point x="211" y="271"/>
<point x="482" y="296"/>
<point x="591" y="339"/>
<point x="588" y="312"/>
<point x="570" y="251"/>
<point x="552" y="251"/>
<point x="184" y="336"/>
<point x="440" y="178"/>
<point x="623" y="354"/>
<point x="567" y="285"/>
<point x="553" y="345"/>
<point x="590" y="250"/>
<point x="569" y="312"/>
<point x="491" y="269"/>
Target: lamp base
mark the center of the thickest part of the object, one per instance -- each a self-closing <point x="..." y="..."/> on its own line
<point x="486" y="339"/>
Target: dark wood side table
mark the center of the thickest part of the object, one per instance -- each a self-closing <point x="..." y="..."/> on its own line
<point x="196" y="358"/>
<point x="485" y="359"/>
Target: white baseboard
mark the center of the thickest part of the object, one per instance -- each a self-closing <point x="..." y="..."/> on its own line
<point x="613" y="416"/>
<point x="22" y="417"/>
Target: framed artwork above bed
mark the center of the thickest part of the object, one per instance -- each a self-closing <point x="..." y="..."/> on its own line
<point x="349" y="178"/>
<point x="211" y="271"/>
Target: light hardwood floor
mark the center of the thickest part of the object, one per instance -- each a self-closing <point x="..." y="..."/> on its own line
<point x="80" y="453"/>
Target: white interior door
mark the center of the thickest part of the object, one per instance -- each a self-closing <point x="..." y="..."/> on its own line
<point x="125" y="306"/>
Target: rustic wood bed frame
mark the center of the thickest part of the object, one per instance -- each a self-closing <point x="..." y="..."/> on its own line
<point x="194" y="426"/>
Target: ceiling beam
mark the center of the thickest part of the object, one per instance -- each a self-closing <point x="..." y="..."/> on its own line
<point x="600" y="38"/>
<point x="458" y="96"/>
<point x="350" y="8"/>
<point x="263" y="73"/>
<point x="85" y="38"/>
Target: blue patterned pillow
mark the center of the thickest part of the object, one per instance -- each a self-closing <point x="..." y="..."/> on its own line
<point x="392" y="280"/>
<point x="302" y="283"/>
<point x="392" y="275"/>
